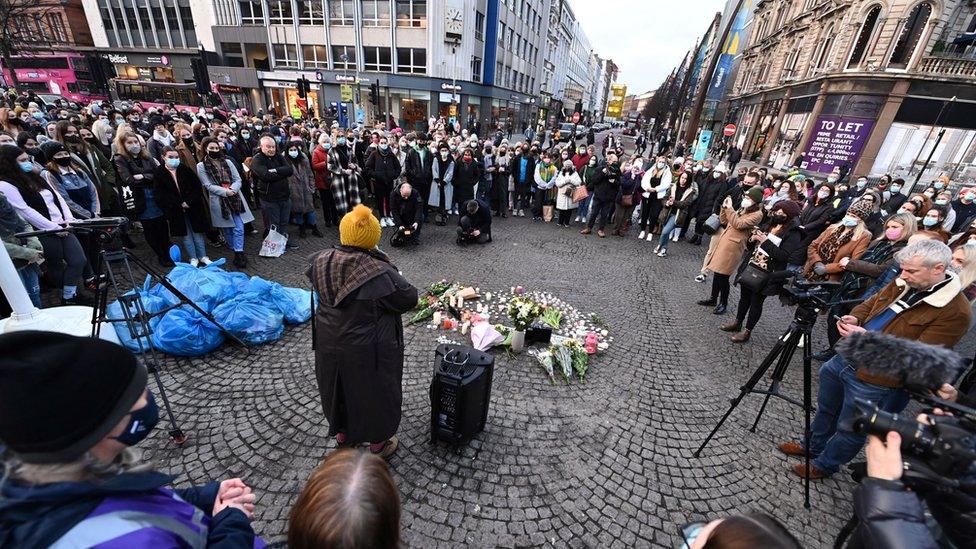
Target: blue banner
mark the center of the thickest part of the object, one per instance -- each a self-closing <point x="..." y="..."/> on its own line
<point x="735" y="40"/>
<point x="701" y="148"/>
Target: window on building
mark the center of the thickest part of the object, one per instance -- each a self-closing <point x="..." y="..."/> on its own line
<point x="311" y="12"/>
<point x="146" y="25"/>
<point x="342" y="12"/>
<point x="132" y="22"/>
<point x="501" y="34"/>
<point x="377" y="59"/>
<point x="411" y="13"/>
<point x="376" y="13"/>
<point x="499" y="72"/>
<point x="412" y="60"/>
<point x="279" y="12"/>
<point x="186" y="16"/>
<point x="789" y="63"/>
<point x="285" y="55"/>
<point x="55" y="24"/>
<point x="479" y="26"/>
<point x="344" y="57"/>
<point x="252" y="12"/>
<point x="315" y="57"/>
<point x="910" y="35"/>
<point x="867" y="31"/>
<point x="476" y="69"/>
<point x="822" y="54"/>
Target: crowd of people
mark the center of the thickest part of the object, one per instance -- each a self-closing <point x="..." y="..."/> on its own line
<point x="903" y="263"/>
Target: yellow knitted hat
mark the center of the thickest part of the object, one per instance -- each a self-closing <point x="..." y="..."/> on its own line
<point x="360" y="228"/>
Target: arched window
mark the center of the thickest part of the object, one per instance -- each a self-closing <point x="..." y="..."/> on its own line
<point x="789" y="63"/>
<point x="867" y="31"/>
<point x="910" y="35"/>
<point x="823" y="52"/>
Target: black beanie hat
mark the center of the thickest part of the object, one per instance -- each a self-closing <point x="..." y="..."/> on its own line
<point x="51" y="148"/>
<point x="61" y="394"/>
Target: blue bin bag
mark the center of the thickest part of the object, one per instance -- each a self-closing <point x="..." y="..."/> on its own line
<point x="185" y="332"/>
<point x="152" y="304"/>
<point x="295" y="304"/>
<point x="207" y="287"/>
<point x="251" y="320"/>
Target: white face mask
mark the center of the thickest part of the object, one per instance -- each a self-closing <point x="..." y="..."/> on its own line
<point x="716" y="175"/>
<point x="747" y="203"/>
<point x="782" y="192"/>
<point x="823" y="194"/>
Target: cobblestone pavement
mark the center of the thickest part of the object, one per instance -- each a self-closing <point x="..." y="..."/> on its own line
<point x="605" y="463"/>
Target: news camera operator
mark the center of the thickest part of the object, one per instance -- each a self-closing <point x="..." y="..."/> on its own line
<point x="923" y="304"/>
<point x="407" y="207"/>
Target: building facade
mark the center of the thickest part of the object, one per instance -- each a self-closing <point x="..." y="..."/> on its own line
<point x="867" y="84"/>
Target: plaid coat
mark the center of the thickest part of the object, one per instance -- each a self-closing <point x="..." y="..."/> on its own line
<point x="345" y="188"/>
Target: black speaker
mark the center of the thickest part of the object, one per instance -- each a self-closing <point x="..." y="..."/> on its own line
<point x="459" y="393"/>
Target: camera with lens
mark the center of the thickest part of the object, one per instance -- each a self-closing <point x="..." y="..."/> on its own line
<point x="938" y="454"/>
<point x="800" y="291"/>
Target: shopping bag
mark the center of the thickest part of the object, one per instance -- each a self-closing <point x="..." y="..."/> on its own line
<point x="274" y="244"/>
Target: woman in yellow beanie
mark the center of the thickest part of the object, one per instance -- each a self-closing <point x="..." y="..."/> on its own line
<point x="358" y="334"/>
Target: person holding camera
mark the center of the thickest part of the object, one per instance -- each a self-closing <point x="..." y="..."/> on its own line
<point x="475" y="225"/>
<point x="923" y="304"/>
<point x="72" y="409"/>
<point x="407" y="209"/>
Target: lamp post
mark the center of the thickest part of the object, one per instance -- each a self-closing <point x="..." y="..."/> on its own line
<point x="946" y="105"/>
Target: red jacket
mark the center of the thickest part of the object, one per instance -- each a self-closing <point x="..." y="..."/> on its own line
<point x="320" y="165"/>
<point x="580" y="160"/>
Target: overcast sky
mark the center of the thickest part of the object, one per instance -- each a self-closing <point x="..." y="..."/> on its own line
<point x="645" y="38"/>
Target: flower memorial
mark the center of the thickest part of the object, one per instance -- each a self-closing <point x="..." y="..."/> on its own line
<point x="562" y="339"/>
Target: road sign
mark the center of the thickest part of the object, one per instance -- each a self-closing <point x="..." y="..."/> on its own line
<point x="346" y="91"/>
<point x="576" y="118"/>
<point x="729" y="130"/>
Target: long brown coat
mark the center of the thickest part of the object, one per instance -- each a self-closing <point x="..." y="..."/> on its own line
<point x="359" y="341"/>
<point x="732" y="242"/>
<point x="853" y="249"/>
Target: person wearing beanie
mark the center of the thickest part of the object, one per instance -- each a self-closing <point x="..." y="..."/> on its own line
<point x="71" y="179"/>
<point x="776" y="247"/>
<point x="71" y="410"/>
<point x="358" y="334"/>
<point x="731" y="243"/>
<point x="848" y="238"/>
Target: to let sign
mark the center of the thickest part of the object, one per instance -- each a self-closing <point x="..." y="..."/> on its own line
<point x="837" y="141"/>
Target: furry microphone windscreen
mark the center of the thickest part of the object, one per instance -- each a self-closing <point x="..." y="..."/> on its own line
<point x="914" y="363"/>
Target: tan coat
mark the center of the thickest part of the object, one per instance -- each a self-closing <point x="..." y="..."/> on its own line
<point x="854" y="249"/>
<point x="732" y="242"/>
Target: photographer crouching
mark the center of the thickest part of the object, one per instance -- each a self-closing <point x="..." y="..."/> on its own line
<point x="407" y="207"/>
<point x="475" y="227"/>
<point x="71" y="410"/>
<point x="923" y="304"/>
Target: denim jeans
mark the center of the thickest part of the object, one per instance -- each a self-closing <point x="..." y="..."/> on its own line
<point x="30" y="275"/>
<point x="193" y="243"/>
<point x="583" y="208"/>
<point x="830" y="435"/>
<point x="307" y="219"/>
<point x="235" y="235"/>
<point x="279" y="212"/>
<point x="669" y="226"/>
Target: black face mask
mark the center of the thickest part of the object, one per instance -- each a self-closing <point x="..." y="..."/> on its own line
<point x="215" y="154"/>
<point x="63" y="161"/>
<point x="75" y="138"/>
<point x="91" y="140"/>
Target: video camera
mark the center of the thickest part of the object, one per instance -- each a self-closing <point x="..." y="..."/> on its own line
<point x="806" y="293"/>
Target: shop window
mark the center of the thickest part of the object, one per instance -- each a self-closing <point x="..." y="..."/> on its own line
<point x="377" y="59"/>
<point x="910" y="35"/>
<point x="315" y="57"/>
<point x="285" y="55"/>
<point x="376" y="13"/>
<point x="344" y="58"/>
<point x="411" y="13"/>
<point x="279" y="12"/>
<point x="867" y="31"/>
<point x="412" y="60"/>
<point x="311" y="12"/>
<point x="252" y="12"/>
<point x="342" y="12"/>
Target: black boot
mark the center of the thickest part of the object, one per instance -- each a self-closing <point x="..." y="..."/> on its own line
<point x="239" y="260"/>
<point x="316" y="231"/>
<point x="301" y="232"/>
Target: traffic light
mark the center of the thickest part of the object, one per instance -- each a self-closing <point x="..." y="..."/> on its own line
<point x="200" y="75"/>
<point x="374" y="93"/>
<point x="579" y="107"/>
<point x="300" y="86"/>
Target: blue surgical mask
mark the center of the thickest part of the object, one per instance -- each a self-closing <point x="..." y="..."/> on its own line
<point x="327" y="146"/>
<point x="849" y="221"/>
<point x="896" y="188"/>
<point x="930" y="221"/>
<point x="384" y="147"/>
<point x="245" y="135"/>
<point x="141" y="422"/>
<point x="342" y="140"/>
<point x="293" y="153"/>
<point x="941" y="202"/>
<point x="173" y="163"/>
<point x="27" y="166"/>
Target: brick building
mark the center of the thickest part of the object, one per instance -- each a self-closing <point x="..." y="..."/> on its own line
<point x="51" y="25"/>
<point x="861" y="83"/>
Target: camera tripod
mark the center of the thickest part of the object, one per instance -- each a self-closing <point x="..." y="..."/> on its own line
<point x="134" y="313"/>
<point x="781" y="354"/>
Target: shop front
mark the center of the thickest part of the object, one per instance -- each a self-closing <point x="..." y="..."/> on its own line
<point x="790" y="135"/>
<point x="768" y="113"/>
<point x="840" y="132"/>
<point x="238" y="87"/>
<point x="281" y="94"/>
<point x="151" y="67"/>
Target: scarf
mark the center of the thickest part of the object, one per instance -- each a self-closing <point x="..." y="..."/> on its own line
<point x="10" y="221"/>
<point x="339" y="272"/>
<point x="547" y="172"/>
<point x="219" y="173"/>
<point x="828" y="248"/>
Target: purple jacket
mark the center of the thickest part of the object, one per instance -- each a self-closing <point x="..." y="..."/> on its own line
<point x="128" y="510"/>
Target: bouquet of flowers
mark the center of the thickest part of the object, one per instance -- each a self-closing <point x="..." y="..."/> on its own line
<point x="553" y="317"/>
<point x="523" y="312"/>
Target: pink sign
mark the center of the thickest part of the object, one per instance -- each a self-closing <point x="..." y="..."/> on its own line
<point x="836" y="141"/>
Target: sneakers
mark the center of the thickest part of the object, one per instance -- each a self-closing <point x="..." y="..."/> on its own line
<point x="650" y="237"/>
<point x="205" y="261"/>
<point x="657" y="249"/>
<point x="663" y="252"/>
<point x="700" y="278"/>
<point x="383" y="222"/>
<point x="194" y="262"/>
<point x="641" y="237"/>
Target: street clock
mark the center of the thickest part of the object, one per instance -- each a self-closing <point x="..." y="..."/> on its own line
<point x="453" y="25"/>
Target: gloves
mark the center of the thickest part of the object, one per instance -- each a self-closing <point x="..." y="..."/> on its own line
<point x="820" y="269"/>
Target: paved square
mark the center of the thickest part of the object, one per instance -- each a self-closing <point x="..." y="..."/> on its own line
<point x="605" y="463"/>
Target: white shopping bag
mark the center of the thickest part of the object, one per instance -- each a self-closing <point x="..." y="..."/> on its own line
<point x="274" y="244"/>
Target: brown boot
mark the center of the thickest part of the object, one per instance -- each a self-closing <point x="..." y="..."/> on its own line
<point x="742" y="336"/>
<point x="815" y="474"/>
<point x="733" y="326"/>
<point x="586" y="231"/>
<point x="601" y="234"/>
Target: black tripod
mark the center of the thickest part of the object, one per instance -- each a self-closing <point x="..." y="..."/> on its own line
<point x="799" y="330"/>
<point x="134" y="313"/>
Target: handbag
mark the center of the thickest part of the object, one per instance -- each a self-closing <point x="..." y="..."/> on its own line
<point x="753" y="278"/>
<point x="580" y="193"/>
<point x="712" y="224"/>
<point x="627" y="200"/>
